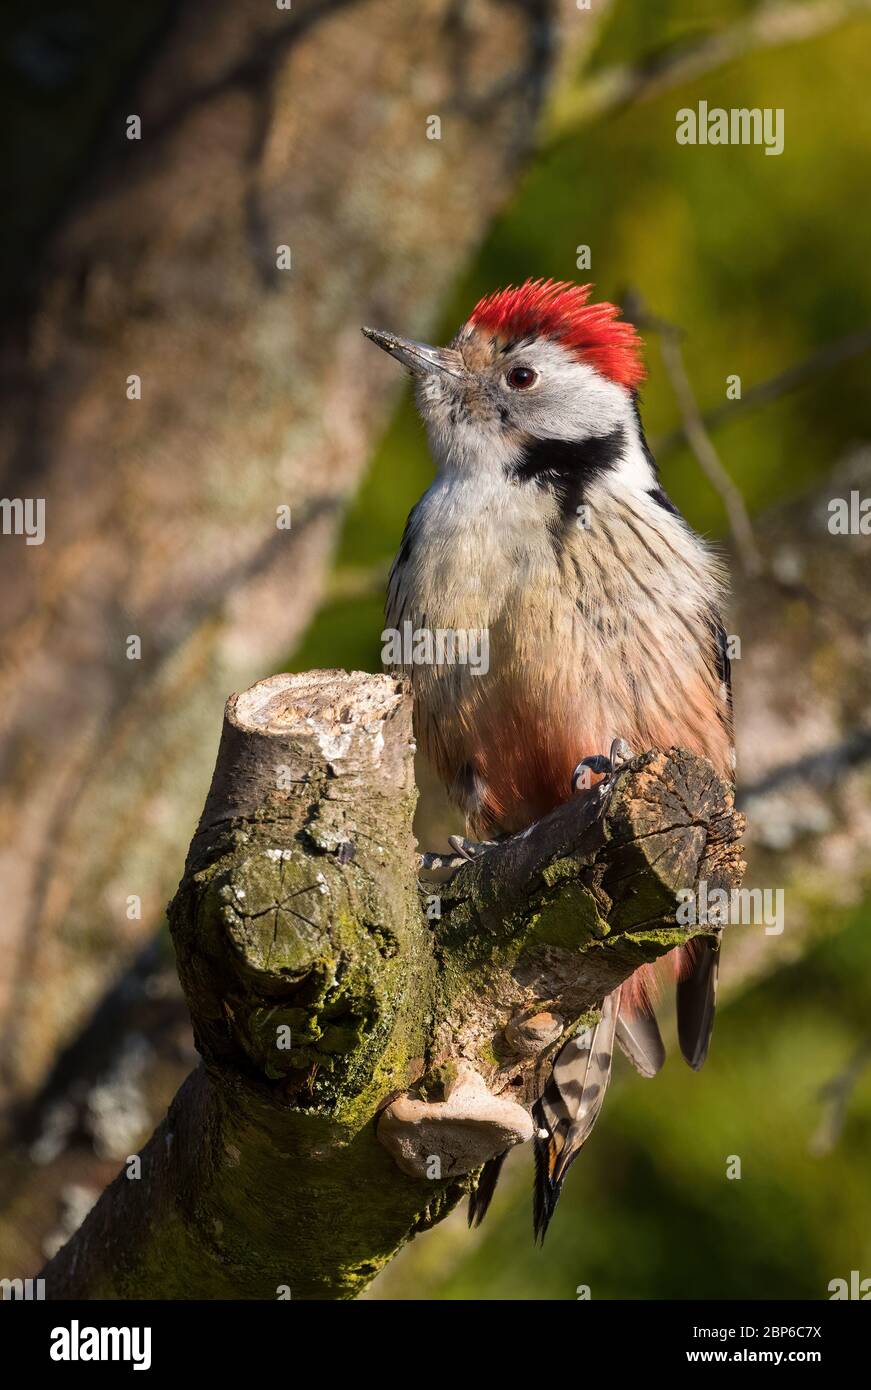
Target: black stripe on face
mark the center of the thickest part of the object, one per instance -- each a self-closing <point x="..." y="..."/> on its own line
<point x="663" y="500"/>
<point x="566" y="467"/>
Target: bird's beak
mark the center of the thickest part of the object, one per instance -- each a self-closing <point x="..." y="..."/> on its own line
<point x="419" y="357"/>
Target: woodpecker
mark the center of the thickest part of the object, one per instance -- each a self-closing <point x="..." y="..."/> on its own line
<point x="547" y="528"/>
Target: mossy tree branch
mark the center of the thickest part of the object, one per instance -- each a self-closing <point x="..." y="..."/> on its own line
<point x="325" y="991"/>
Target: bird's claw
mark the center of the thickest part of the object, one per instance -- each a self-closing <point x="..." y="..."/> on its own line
<point x="588" y="768"/>
<point x="620" y="754"/>
<point x="597" y="765"/>
<point x="463" y="851"/>
<point x="469" y="849"/>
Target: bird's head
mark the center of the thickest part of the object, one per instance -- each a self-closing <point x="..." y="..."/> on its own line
<point x="530" y="366"/>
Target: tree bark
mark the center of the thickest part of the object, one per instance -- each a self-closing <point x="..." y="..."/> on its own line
<point x="325" y="993"/>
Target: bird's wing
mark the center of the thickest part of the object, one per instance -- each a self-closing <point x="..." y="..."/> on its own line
<point x="396" y="607"/>
<point x="699" y="962"/>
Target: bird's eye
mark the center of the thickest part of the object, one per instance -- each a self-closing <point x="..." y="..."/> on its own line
<point x="521" y="378"/>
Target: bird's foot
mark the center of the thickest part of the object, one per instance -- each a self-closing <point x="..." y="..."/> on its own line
<point x="599" y="766"/>
<point x="469" y="849"/>
<point x="464" y="850"/>
<point x="620" y="754"/>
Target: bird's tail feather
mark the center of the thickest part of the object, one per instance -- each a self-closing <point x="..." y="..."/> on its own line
<point x="570" y="1103"/>
<point x="697" y="997"/>
<point x="482" y="1196"/>
<point x="639" y="1038"/>
<point x="569" y="1106"/>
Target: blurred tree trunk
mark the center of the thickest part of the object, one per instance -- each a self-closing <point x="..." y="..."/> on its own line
<point x="803" y="721"/>
<point x="260" y="129"/>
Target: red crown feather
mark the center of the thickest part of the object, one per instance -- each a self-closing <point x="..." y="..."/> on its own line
<point x="558" y="309"/>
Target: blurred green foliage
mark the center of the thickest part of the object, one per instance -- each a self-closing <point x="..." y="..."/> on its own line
<point x="761" y="260"/>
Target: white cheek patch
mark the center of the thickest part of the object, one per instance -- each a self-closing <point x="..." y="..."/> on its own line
<point x="634" y="471"/>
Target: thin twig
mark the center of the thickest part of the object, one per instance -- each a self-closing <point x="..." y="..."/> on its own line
<point x="836" y="1096"/>
<point x="693" y="428"/>
<point x="830" y="355"/>
<point x="821" y="770"/>
<point x="708" y="459"/>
